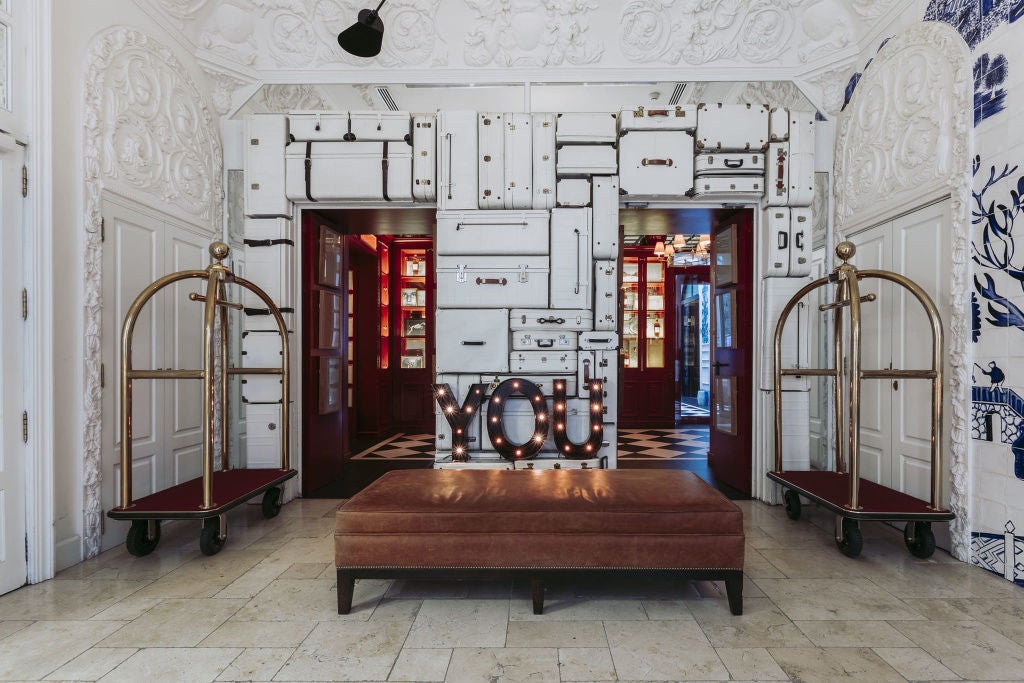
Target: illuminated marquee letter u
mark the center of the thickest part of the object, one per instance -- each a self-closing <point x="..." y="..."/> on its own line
<point x="595" y="436"/>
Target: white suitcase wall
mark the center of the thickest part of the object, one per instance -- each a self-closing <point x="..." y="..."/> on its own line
<point x="341" y="171"/>
<point x="726" y="163"/>
<point x="796" y="432"/>
<point x="263" y="436"/>
<point x="265" y="139"/>
<point x="740" y="188"/>
<point x="543" y="161"/>
<point x="490" y="281"/>
<point x="257" y="389"/>
<point x="777" y="174"/>
<point x="492" y="232"/>
<point x="585" y="128"/>
<point x="800" y="227"/>
<point x="801" y="132"/>
<point x="269" y="267"/>
<point x="571" y="246"/>
<point x="518" y="162"/>
<point x="551" y="463"/>
<point x="546" y="383"/>
<point x="533" y="340"/>
<point x="586" y="160"/>
<point x="573" y="192"/>
<point x="471" y="340"/>
<point x="611" y="444"/>
<point x="605" y="217"/>
<point x="790" y="177"/>
<point x="731" y="127"/>
<point x="491" y="136"/>
<point x="776" y="241"/>
<point x="554" y="360"/>
<point x="778" y="125"/>
<point x="318" y="126"/>
<point x="551" y="319"/>
<point x="656" y="163"/>
<point x="424" y="157"/>
<point x="606" y="295"/>
<point x="460" y="384"/>
<point x="480" y="461"/>
<point x="519" y="424"/>
<point x="598" y="340"/>
<point x="261" y="349"/>
<point x="775" y="294"/>
<point x="603" y="366"/>
<point x="679" y="117"/>
<point x="458" y="160"/>
<point x="380" y="125"/>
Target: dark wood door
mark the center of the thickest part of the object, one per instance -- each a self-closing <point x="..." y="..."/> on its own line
<point x="693" y="338"/>
<point x="324" y="352"/>
<point x="732" y="343"/>
<point x="371" y="347"/>
<point x="648" y="331"/>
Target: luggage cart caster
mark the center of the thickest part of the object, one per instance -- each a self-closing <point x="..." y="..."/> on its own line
<point x="792" y="499"/>
<point x="920" y="539"/>
<point x="143" y="537"/>
<point x="848" y="537"/>
<point x="211" y="540"/>
<point x="271" y="502"/>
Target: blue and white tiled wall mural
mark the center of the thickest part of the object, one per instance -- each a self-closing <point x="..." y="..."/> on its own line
<point x="989" y="98"/>
<point x="974" y="19"/>
<point x="1001" y="554"/>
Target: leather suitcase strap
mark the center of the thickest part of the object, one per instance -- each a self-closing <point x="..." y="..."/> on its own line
<point x="268" y="243"/>
<point x="309" y="170"/>
<point x="384" y="173"/>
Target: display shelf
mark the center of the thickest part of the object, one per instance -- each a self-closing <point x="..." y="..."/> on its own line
<point x="412" y="307"/>
<point x="384" y="270"/>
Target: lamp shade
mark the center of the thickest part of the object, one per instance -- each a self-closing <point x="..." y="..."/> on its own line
<point x="363" y="38"/>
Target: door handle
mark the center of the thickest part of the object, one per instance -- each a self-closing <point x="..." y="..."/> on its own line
<point x="718" y="367"/>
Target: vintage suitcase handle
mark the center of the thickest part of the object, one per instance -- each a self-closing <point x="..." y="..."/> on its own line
<point x="545" y="343"/>
<point x="552" y="319"/>
<point x="473" y="343"/>
<point x="451" y="149"/>
<point x="604" y="340"/>
<point x="267" y="243"/>
<point x="579" y="253"/>
<point x="656" y="162"/>
<point x="799" y="240"/>
<point x="783" y="240"/>
<point x="491" y="281"/>
<point x="733" y="163"/>
<point x="461" y="225"/>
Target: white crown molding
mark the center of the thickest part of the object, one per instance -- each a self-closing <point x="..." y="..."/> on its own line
<point x="906" y="138"/>
<point x="150" y="136"/>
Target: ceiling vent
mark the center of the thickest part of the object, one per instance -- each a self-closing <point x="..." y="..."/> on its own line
<point x="387" y="99"/>
<point x="677" y="93"/>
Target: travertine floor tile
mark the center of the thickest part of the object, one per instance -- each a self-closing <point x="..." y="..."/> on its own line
<point x="1005" y="616"/>
<point x="9" y="627"/>
<point x="762" y="624"/>
<point x="421" y="664"/>
<point x="834" y="599"/>
<point x="311" y="599"/>
<point x="256" y="664"/>
<point x="498" y="665"/>
<point x="968" y="648"/>
<point x="45" y="646"/>
<point x="254" y="580"/>
<point x="130" y="608"/>
<point x="827" y="665"/>
<point x="204" y="576"/>
<point x="460" y="623"/>
<point x="853" y="634"/>
<point x="587" y="634"/>
<point x="258" y="634"/>
<point x="670" y="610"/>
<point x="432" y="590"/>
<point x="915" y="664"/>
<point x="346" y="651"/>
<point x="663" y="650"/>
<point x="306" y="570"/>
<point x="198" y="665"/>
<point x="579" y="609"/>
<point x="585" y="664"/>
<point x="751" y="663"/>
<point x="92" y="664"/>
<point x="175" y="623"/>
<point x="71" y="599"/>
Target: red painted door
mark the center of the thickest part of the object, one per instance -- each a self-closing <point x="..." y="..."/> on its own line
<point x="323" y="351"/>
<point x="732" y="344"/>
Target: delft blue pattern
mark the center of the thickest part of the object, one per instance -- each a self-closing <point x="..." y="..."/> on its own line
<point x="988" y="551"/>
<point x="997" y="250"/>
<point x="989" y="99"/>
<point x="963" y="15"/>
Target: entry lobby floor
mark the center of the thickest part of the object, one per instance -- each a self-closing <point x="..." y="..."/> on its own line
<point x="265" y="609"/>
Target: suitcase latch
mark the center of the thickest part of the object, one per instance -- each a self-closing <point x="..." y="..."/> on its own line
<point x="460" y="276"/>
<point x="523" y="276"/>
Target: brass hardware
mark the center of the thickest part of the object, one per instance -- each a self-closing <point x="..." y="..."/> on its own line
<point x="195" y="296"/>
<point x="848" y="379"/>
<point x="895" y="385"/>
<point x="24" y="181"/>
<point x="24" y="426"/>
<point x="24" y="304"/>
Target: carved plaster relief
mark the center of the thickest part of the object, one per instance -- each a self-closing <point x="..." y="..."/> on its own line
<point x="832" y="85"/>
<point x="775" y="93"/>
<point x="223" y="90"/>
<point x="181" y="9"/>
<point x="149" y="134"/>
<point x="531" y="33"/>
<point x="279" y="99"/>
<point x="904" y="140"/>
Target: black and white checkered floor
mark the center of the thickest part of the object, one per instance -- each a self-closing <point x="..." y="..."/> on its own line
<point x="687" y="442"/>
<point x="687" y="410"/>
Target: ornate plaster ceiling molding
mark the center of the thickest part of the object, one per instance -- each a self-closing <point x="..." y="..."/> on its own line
<point x="149" y="134"/>
<point x="181" y="9"/>
<point x="280" y="98"/>
<point x="905" y="140"/>
<point x="521" y="33"/>
<point x="292" y="34"/>
<point x="223" y="88"/>
<point x="775" y="93"/>
<point x="831" y="87"/>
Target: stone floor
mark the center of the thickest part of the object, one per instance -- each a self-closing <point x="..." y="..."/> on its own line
<point x="264" y="609"/>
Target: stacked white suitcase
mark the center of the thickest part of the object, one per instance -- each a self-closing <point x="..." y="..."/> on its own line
<point x="731" y="141"/>
<point x="656" y="152"/>
<point x="787" y="219"/>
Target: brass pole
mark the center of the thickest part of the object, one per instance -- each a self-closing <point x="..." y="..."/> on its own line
<point x="855" y="359"/>
<point x="209" y="414"/>
<point x="838" y="389"/>
<point x="225" y="360"/>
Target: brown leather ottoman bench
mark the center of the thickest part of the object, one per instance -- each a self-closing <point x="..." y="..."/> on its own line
<point x="538" y="524"/>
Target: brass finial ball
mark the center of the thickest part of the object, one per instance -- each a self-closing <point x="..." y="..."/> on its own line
<point x="219" y="251"/>
<point x="846" y="250"/>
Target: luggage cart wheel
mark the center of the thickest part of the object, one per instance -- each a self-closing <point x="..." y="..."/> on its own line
<point x="792" y="499"/>
<point x="919" y="539"/>
<point x="143" y="537"/>
<point x="851" y="542"/>
<point x="210" y="540"/>
<point x="271" y="502"/>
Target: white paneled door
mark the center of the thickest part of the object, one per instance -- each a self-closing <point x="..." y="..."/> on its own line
<point x="12" y="365"/>
<point x="138" y="248"/>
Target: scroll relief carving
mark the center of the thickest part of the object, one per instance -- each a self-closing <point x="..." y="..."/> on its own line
<point x="150" y="134"/>
<point x="223" y="90"/>
<point x="832" y="85"/>
<point x="304" y="33"/>
<point x="531" y="33"/>
<point x="181" y="9"/>
<point x="906" y="138"/>
<point x="776" y="94"/>
<point x="701" y="31"/>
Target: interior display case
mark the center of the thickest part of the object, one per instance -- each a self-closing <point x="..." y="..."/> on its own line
<point x="412" y="310"/>
<point x="384" y="301"/>
<point x="643" y="316"/>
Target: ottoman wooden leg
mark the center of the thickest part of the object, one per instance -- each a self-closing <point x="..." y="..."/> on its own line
<point x="538" y="595"/>
<point x="734" y="590"/>
<point x="346" y="584"/>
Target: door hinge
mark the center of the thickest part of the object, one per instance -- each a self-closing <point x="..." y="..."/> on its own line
<point x="24" y="426"/>
<point x="103" y="229"/>
<point x="24" y="180"/>
<point x="24" y="304"/>
<point x="103" y="375"/>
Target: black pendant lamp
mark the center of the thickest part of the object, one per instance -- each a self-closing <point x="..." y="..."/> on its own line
<point x="363" y="38"/>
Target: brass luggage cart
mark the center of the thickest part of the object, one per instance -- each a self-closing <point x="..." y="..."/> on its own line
<point x="210" y="496"/>
<point x="844" y="491"/>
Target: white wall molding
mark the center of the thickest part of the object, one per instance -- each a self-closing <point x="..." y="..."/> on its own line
<point x="151" y="137"/>
<point x="906" y="139"/>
